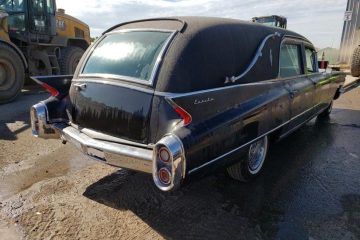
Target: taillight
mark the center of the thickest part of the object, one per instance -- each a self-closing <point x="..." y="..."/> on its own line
<point x="164" y="155"/>
<point x="184" y="115"/>
<point x="50" y="89"/>
<point x="164" y="176"/>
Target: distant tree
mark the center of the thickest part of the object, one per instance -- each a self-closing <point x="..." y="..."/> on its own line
<point x="93" y="39"/>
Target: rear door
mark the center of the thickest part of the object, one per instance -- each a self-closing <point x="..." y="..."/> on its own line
<point x="322" y="88"/>
<point x="301" y="89"/>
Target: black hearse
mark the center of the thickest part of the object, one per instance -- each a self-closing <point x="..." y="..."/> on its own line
<point x="173" y="97"/>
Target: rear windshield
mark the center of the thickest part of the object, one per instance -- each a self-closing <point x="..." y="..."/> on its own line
<point x="127" y="54"/>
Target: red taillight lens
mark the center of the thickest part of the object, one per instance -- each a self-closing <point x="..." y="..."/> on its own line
<point x="184" y="115"/>
<point x="164" y="155"/>
<point x="164" y="176"/>
<point x="50" y="89"/>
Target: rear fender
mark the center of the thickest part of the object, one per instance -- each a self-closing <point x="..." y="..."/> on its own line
<point x="58" y="86"/>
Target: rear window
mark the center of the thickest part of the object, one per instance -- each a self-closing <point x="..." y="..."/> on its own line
<point x="127" y="54"/>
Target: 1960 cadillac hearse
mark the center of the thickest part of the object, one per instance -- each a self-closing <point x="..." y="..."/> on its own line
<point x="173" y="97"/>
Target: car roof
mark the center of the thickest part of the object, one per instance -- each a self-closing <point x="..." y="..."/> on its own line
<point x="192" y="24"/>
<point x="206" y="51"/>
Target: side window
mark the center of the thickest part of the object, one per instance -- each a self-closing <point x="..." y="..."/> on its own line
<point x="290" y="60"/>
<point x="50" y="7"/>
<point x="310" y="60"/>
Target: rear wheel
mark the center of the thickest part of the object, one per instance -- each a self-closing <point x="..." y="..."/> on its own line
<point x="251" y="166"/>
<point x="70" y="58"/>
<point x="355" y="63"/>
<point x="12" y="74"/>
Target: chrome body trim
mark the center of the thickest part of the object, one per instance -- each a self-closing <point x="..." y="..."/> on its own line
<point x="109" y="82"/>
<point x="115" y="154"/>
<point x="155" y="69"/>
<point x="255" y="139"/>
<point x="40" y="126"/>
<point x="185" y="94"/>
<point x="105" y="137"/>
<point x="258" y="54"/>
<point x="140" y="30"/>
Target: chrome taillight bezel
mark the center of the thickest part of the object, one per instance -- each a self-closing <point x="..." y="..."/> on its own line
<point x="40" y="126"/>
<point x="176" y="164"/>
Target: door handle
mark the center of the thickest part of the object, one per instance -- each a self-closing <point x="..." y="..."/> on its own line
<point x="314" y="82"/>
<point x="80" y="86"/>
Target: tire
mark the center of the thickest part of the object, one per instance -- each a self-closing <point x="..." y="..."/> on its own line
<point x="355" y="62"/>
<point x="326" y="113"/>
<point x="12" y="74"/>
<point x="70" y="57"/>
<point x="244" y="170"/>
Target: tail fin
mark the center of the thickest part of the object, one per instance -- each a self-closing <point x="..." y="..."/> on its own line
<point x="57" y="85"/>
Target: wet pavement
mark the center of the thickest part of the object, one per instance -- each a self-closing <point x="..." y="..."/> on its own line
<point x="310" y="189"/>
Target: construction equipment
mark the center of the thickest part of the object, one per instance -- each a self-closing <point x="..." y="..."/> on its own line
<point x="35" y="39"/>
<point x="273" y="20"/>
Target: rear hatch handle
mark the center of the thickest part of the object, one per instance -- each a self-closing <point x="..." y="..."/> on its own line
<point x="80" y="86"/>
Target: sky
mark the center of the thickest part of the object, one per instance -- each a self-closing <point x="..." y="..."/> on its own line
<point x="318" y="20"/>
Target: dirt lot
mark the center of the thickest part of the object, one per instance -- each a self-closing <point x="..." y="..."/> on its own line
<point x="310" y="189"/>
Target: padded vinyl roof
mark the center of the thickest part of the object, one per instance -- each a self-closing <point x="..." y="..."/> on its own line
<point x="207" y="50"/>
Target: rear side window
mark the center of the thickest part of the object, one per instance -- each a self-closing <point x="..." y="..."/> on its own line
<point x="290" y="61"/>
<point x="310" y="60"/>
<point x="130" y="54"/>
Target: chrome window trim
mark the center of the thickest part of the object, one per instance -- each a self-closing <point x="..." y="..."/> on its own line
<point x="155" y="69"/>
<point x="310" y="47"/>
<point x="293" y="41"/>
<point x="255" y="139"/>
<point x="139" y="30"/>
<point x="120" y="84"/>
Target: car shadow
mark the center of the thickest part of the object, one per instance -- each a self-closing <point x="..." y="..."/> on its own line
<point x="19" y="111"/>
<point x="217" y="207"/>
<point x="7" y="134"/>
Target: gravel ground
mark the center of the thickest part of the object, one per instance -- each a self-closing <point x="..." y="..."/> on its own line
<point x="310" y="189"/>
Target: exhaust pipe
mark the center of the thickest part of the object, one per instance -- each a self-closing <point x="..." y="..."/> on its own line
<point x="40" y="126"/>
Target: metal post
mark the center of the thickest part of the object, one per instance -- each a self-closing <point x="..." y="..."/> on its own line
<point x="349" y="39"/>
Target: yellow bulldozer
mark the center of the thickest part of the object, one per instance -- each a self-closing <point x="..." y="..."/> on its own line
<point x="37" y="39"/>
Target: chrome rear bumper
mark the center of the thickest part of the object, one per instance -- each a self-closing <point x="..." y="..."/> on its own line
<point x="117" y="154"/>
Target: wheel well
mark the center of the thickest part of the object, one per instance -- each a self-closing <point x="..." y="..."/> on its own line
<point x="275" y="136"/>
<point x="338" y="93"/>
<point x="78" y="43"/>
<point x="18" y="51"/>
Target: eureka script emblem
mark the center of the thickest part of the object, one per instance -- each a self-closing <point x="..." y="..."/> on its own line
<point x="201" y="101"/>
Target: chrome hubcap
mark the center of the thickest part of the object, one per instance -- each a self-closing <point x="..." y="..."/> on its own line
<point x="257" y="154"/>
